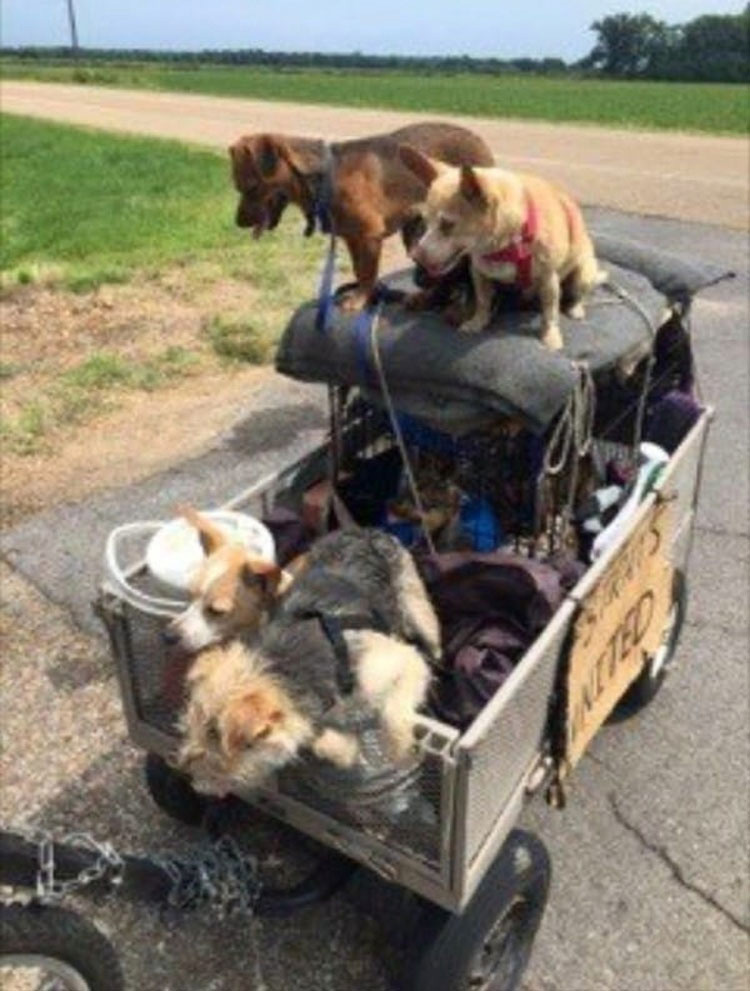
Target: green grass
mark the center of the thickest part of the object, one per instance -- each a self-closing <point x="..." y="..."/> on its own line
<point x="83" y="207"/>
<point x="238" y="340"/>
<point x="91" y="207"/>
<point x="714" y="108"/>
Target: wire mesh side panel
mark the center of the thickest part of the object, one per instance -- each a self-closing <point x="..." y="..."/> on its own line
<point x="507" y="738"/>
<point x="403" y="810"/>
<point x="156" y="678"/>
<point x="400" y="808"/>
<point x="679" y="485"/>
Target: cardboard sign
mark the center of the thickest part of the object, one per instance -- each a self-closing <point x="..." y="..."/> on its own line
<point x="621" y="623"/>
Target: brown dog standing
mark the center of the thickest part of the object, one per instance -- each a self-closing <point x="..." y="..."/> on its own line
<point x="371" y="193"/>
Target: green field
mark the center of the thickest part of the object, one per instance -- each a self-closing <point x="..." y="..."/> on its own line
<point x="82" y="207"/>
<point x="713" y="108"/>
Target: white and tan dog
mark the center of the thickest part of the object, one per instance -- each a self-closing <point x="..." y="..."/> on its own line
<point x="518" y="230"/>
<point x="231" y="592"/>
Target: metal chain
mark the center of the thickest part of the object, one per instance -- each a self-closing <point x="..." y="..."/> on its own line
<point x="108" y="865"/>
<point x="219" y="876"/>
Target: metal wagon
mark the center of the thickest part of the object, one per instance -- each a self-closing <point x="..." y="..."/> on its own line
<point x="470" y="885"/>
<point x="480" y="884"/>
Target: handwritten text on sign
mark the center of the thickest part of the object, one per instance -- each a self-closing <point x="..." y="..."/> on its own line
<point x="621" y="623"/>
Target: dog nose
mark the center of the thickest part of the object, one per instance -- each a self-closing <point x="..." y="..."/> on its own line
<point x="417" y="255"/>
<point x="241" y="218"/>
<point x="170" y="637"/>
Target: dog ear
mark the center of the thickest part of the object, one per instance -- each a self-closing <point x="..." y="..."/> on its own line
<point x="241" y="153"/>
<point x="210" y="535"/>
<point x="425" y="169"/>
<point x="471" y="187"/>
<point x="267" y="155"/>
<point x="250" y="719"/>
<point x="268" y="572"/>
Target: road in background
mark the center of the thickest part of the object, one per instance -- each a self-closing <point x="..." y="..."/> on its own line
<point x="684" y="176"/>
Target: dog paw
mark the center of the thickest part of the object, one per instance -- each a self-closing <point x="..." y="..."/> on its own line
<point x="340" y="749"/>
<point x="552" y="338"/>
<point x="352" y="302"/>
<point x="400" y="743"/>
<point x="576" y="312"/>
<point x="473" y="326"/>
<point x="454" y="314"/>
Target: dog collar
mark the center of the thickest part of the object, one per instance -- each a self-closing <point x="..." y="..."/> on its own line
<point x="518" y="251"/>
<point x="320" y="188"/>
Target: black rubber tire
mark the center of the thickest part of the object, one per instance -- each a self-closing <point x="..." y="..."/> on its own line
<point x="49" y="931"/>
<point x="447" y="951"/>
<point x="173" y="793"/>
<point x="647" y="685"/>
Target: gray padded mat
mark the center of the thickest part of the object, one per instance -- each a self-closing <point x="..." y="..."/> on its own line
<point x="459" y="382"/>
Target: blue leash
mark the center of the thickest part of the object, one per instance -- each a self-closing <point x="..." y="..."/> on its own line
<point x="322" y="221"/>
<point x="325" y="293"/>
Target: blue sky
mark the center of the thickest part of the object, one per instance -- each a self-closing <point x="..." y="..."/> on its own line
<point x="504" y="28"/>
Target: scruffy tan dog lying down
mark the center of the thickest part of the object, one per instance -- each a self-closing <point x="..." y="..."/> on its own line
<point x="353" y="631"/>
<point x="517" y="229"/>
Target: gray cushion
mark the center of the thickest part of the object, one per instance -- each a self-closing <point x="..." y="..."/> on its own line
<point x="457" y="381"/>
<point x="678" y="280"/>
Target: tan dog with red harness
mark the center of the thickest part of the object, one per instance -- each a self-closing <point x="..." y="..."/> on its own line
<point x="518" y="230"/>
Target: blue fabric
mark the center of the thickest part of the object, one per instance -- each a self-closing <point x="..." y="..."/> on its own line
<point x="480" y="524"/>
<point x="361" y="335"/>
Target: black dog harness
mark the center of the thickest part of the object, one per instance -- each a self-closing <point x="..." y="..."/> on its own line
<point x="334" y="627"/>
<point x="335" y="624"/>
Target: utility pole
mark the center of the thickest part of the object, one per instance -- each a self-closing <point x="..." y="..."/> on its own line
<point x="73" y="29"/>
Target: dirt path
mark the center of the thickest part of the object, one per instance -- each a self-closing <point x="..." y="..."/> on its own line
<point x="685" y="176"/>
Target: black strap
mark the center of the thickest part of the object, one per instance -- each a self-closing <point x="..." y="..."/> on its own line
<point x="320" y="189"/>
<point x="334" y="627"/>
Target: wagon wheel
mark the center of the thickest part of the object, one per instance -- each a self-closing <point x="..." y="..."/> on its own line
<point x="173" y="793"/>
<point x="654" y="673"/>
<point x="487" y="946"/>
<point x="61" y="948"/>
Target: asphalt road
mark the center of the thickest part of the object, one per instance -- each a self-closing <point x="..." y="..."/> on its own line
<point x="687" y="176"/>
<point x="650" y="889"/>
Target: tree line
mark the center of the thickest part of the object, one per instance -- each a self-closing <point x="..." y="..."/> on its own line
<point x="711" y="48"/>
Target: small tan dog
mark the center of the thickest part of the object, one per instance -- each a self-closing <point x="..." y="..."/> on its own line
<point x="232" y="591"/>
<point x="340" y="649"/>
<point x="517" y="230"/>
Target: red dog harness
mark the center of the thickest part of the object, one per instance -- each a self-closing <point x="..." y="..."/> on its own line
<point x="518" y="252"/>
